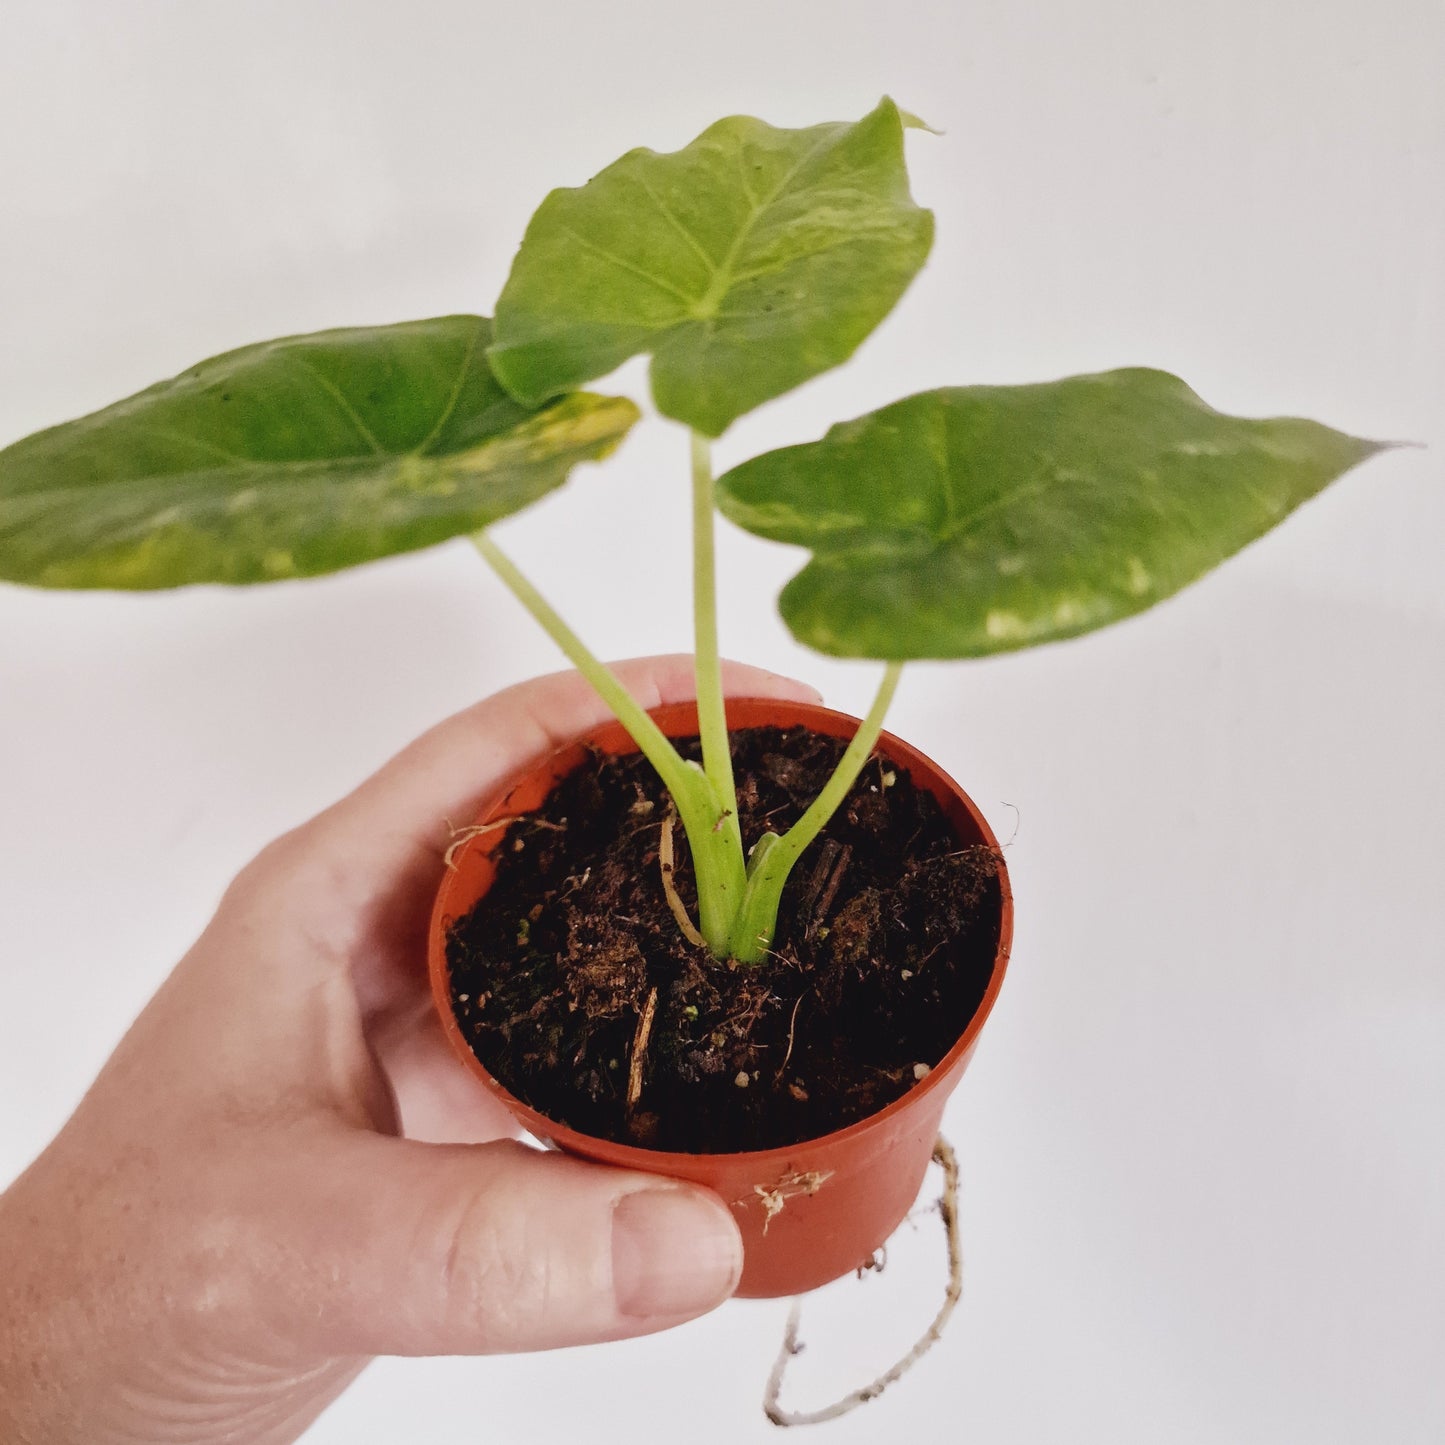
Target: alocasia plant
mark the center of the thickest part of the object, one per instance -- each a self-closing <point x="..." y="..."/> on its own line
<point x="952" y="524"/>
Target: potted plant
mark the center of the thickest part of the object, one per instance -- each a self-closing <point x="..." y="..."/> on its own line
<point x="775" y="995"/>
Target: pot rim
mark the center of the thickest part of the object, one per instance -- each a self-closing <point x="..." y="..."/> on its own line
<point x="668" y="716"/>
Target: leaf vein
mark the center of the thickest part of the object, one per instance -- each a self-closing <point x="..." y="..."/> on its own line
<point x="743" y="180"/>
<point x="724" y="267"/>
<point x="149" y="429"/>
<point x="451" y="403"/>
<point x="672" y="220"/>
<point x="957" y="527"/>
<point x="335" y="392"/>
<point x="624" y="264"/>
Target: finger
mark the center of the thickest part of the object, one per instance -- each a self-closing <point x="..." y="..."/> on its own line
<point x="436" y="1101"/>
<point x="416" y="1249"/>
<point x="448" y="770"/>
<point x="356" y="881"/>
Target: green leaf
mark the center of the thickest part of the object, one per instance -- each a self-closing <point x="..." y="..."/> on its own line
<point x="745" y="263"/>
<point x="288" y="459"/>
<point x="975" y="520"/>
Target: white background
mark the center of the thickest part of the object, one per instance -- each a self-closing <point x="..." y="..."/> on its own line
<point x="1202" y="1140"/>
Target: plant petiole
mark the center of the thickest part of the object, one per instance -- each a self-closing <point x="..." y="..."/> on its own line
<point x="774" y="856"/>
<point x="718" y="863"/>
<point x="717" y="858"/>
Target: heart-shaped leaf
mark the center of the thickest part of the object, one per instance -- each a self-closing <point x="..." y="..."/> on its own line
<point x="982" y="519"/>
<point x="291" y="458"/>
<point x="745" y="263"/>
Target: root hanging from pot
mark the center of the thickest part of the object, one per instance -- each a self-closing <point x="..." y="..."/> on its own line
<point x="945" y="1158"/>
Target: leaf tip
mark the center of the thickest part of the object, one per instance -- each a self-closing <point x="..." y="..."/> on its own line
<point x="916" y="122"/>
<point x="513" y="378"/>
<point x="1359" y="450"/>
<point x="908" y="119"/>
<point x="1371" y="447"/>
<point x="593" y="421"/>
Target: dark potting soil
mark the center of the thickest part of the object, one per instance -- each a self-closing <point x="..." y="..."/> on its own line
<point x="885" y="943"/>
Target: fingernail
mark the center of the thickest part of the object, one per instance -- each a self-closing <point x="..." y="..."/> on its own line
<point x="674" y="1252"/>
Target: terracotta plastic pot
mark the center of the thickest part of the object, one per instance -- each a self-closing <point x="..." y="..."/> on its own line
<point x="809" y="1212"/>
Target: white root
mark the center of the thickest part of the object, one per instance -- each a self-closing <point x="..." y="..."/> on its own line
<point x="943" y="1156"/>
<point x="790" y="1186"/>
<point x="460" y="836"/>
<point x="674" y="902"/>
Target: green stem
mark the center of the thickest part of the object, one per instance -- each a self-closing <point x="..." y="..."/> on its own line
<point x="658" y="750"/>
<point x="720" y="866"/>
<point x="711" y="713"/>
<point x="774" y="857"/>
<point x="696" y="802"/>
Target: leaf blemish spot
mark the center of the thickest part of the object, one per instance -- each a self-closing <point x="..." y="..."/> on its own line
<point x="1003" y="626"/>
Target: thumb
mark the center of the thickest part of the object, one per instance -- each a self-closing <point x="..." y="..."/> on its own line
<point x="424" y="1249"/>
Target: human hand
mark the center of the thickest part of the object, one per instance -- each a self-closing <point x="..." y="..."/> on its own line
<point x="232" y="1222"/>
